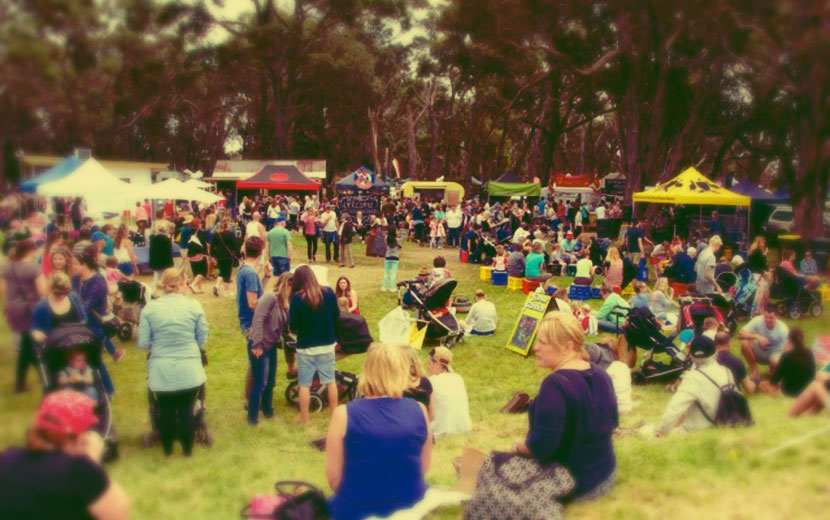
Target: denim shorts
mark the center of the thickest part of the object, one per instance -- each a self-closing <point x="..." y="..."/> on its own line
<point x="307" y="364"/>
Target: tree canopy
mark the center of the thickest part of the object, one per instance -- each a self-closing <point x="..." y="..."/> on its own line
<point x="482" y="86"/>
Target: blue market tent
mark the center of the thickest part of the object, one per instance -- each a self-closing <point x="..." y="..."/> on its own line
<point x="757" y="193"/>
<point x="56" y="172"/>
<point x="362" y="179"/>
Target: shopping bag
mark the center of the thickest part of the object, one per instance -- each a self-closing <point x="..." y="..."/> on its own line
<point x="416" y="336"/>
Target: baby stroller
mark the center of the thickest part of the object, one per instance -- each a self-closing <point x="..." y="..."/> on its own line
<point x="744" y="294"/>
<point x="430" y="305"/>
<point x="203" y="433"/>
<point x="792" y="297"/>
<point x="346" y="381"/>
<point x="694" y="309"/>
<point x="128" y="308"/>
<point x="643" y="331"/>
<point x="52" y="358"/>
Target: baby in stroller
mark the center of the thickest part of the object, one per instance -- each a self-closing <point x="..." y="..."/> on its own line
<point x="78" y="375"/>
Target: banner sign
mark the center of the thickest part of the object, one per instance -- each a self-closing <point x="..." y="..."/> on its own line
<point x="535" y="307"/>
<point x="573" y="181"/>
<point x="615" y="187"/>
<point x="351" y="204"/>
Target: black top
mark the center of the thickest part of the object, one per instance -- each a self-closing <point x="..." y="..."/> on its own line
<point x="633" y="234"/>
<point x="223" y="244"/>
<point x="200" y="248"/>
<point x="757" y="261"/>
<point x="735" y="365"/>
<point x="48" y="485"/>
<point x="795" y="371"/>
<point x="571" y="422"/>
<point x="347" y="233"/>
<point x="70" y="316"/>
<point x="421" y="393"/>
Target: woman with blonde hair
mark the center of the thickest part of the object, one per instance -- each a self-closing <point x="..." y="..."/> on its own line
<point x="575" y="412"/>
<point x="662" y="301"/>
<point x="382" y="438"/>
<point x="174" y="328"/>
<point x="419" y="387"/>
<point x="613" y="269"/>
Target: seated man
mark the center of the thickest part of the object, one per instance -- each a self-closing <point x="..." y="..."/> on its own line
<point x="521" y="234"/>
<point x="516" y="263"/>
<point x="482" y="318"/>
<point x="808" y="265"/>
<point x="701" y="384"/>
<point x="420" y="285"/>
<point x="568" y="247"/>
<point x="611" y="316"/>
<point x="763" y="340"/>
<point x="351" y="330"/>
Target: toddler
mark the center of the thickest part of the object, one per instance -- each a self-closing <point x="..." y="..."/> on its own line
<point x="500" y="261"/>
<point x="586" y="319"/>
<point x="78" y="375"/>
<point x="113" y="275"/>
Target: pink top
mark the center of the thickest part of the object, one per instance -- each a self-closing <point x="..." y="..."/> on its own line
<point x="114" y="275"/>
<point x="310" y="225"/>
<point x="786" y="264"/>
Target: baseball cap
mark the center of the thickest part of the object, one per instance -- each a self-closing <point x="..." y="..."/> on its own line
<point x="66" y="412"/>
<point x="443" y="356"/>
<point x="280" y="219"/>
<point x="702" y="347"/>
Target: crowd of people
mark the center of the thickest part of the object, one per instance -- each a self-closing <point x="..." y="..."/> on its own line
<point x="69" y="270"/>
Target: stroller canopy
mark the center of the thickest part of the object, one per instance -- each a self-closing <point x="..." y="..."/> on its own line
<point x="438" y="294"/>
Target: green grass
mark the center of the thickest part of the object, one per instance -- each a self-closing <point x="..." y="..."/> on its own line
<point x="714" y="474"/>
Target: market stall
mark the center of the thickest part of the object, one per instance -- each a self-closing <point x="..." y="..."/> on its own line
<point x="361" y="191"/>
<point x="763" y="201"/>
<point x="174" y="189"/>
<point x="449" y="192"/>
<point x="282" y="178"/>
<point x="56" y="172"/>
<point x="510" y="184"/>
<point x="692" y="188"/>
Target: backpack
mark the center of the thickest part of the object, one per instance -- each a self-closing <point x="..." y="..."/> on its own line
<point x="733" y="408"/>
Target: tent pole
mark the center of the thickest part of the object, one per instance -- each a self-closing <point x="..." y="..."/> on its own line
<point x="748" y="226"/>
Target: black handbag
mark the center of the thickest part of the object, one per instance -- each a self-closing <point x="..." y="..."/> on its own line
<point x="300" y="501"/>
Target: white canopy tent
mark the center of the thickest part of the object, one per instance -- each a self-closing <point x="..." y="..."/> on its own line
<point x="92" y="180"/>
<point x="195" y="183"/>
<point x="174" y="189"/>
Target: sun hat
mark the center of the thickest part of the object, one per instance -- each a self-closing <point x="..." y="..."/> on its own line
<point x="423" y="272"/>
<point x="66" y="412"/>
<point x="443" y="356"/>
<point x="702" y="347"/>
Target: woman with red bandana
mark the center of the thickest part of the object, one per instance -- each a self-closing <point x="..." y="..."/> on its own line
<point x="59" y="474"/>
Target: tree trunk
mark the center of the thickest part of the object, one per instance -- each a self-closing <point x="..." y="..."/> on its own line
<point x="411" y="124"/>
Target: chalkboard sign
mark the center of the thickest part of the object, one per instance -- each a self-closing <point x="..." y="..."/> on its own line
<point x="351" y="204"/>
<point x="534" y="309"/>
<point x="615" y="187"/>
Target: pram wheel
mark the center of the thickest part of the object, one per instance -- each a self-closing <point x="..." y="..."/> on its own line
<point x="292" y="393"/>
<point x="781" y="308"/>
<point x="315" y="404"/>
<point x="732" y="325"/>
<point x="796" y="311"/>
<point x="125" y="332"/>
<point x="816" y="310"/>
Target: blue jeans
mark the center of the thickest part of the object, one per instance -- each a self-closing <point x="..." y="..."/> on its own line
<point x="263" y="375"/>
<point x="390" y="274"/>
<point x="329" y="240"/>
<point x="454" y="237"/>
<point x="609" y="326"/>
<point x="280" y="265"/>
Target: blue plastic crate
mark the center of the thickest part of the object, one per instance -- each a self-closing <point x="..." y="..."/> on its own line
<point x="579" y="292"/>
<point x="595" y="293"/>
<point x="499" y="278"/>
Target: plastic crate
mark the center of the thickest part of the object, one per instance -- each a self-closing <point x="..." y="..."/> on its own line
<point x="499" y="278"/>
<point x="628" y="291"/>
<point x="570" y="270"/>
<point x="825" y="292"/>
<point x="595" y="293"/>
<point x="579" y="292"/>
<point x="484" y="273"/>
<point x="617" y="289"/>
<point x="514" y="283"/>
<point x="464" y="256"/>
<point x="529" y="285"/>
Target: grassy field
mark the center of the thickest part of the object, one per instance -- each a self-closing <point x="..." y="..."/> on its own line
<point x="713" y="474"/>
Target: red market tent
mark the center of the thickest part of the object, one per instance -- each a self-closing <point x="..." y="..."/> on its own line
<point x="278" y="178"/>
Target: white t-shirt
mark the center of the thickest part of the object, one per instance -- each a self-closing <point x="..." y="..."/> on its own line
<point x="520" y="235"/>
<point x="452" y="409"/>
<point x="252" y="229"/>
<point x="483" y="316"/>
<point x="601" y="212"/>
<point x="329" y="221"/>
<point x="273" y="212"/>
<point x="777" y="336"/>
<point x="293" y="208"/>
<point x="583" y="268"/>
<point x="620" y="376"/>
<point x="454" y="217"/>
<point x="705" y="261"/>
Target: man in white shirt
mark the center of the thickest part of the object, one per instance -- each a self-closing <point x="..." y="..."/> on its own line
<point x="452" y="408"/>
<point x="293" y="213"/>
<point x="601" y="211"/>
<point x="763" y="339"/>
<point x="521" y="234"/>
<point x="328" y="221"/>
<point x="705" y="268"/>
<point x="482" y="318"/>
<point x="454" y="219"/>
<point x="683" y="411"/>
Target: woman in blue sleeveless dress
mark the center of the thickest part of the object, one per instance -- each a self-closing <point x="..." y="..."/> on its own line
<point x="378" y="447"/>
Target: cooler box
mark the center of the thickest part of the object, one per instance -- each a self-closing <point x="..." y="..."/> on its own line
<point x="499" y="278"/>
<point x="529" y="285"/>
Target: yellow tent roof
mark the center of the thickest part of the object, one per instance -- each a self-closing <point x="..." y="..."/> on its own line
<point x="691" y="187"/>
